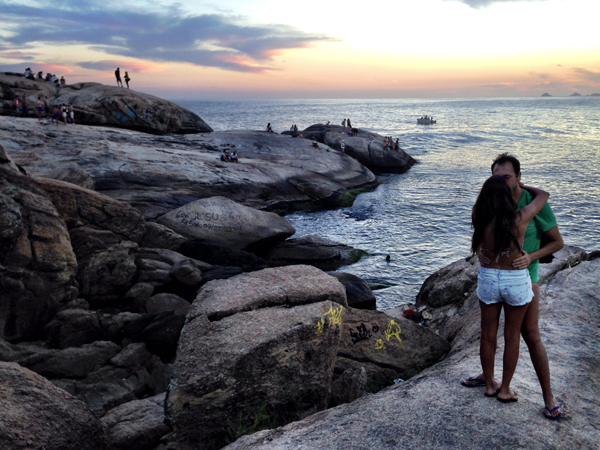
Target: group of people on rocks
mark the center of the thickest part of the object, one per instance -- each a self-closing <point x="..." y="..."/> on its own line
<point x="30" y="75"/>
<point x="118" y="77"/>
<point x="226" y="157"/>
<point x="389" y="144"/>
<point x="63" y="112"/>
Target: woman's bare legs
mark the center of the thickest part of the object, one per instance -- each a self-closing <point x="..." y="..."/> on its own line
<point x="490" y="316"/>
<point x="513" y="316"/>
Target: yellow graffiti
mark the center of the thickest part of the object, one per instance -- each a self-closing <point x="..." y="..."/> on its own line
<point x="336" y="315"/>
<point x="393" y="329"/>
<point x="320" y="326"/>
<point x="335" y="318"/>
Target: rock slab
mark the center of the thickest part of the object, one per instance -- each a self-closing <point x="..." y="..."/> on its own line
<point x="37" y="414"/>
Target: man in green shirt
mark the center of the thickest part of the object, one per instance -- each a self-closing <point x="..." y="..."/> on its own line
<point x="544" y="224"/>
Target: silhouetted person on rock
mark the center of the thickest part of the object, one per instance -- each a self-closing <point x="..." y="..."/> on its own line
<point x="126" y="77"/>
<point x="118" y="77"/>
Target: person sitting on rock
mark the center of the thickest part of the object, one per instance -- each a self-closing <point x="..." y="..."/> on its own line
<point x="225" y="156"/>
<point x="27" y="73"/>
<point x="315" y="145"/>
<point x="234" y="157"/>
<point x="269" y="128"/>
<point x="343" y="147"/>
<point x="328" y="124"/>
<point x="40" y="75"/>
<point x="48" y="77"/>
<point x="63" y="82"/>
<point x="397" y="144"/>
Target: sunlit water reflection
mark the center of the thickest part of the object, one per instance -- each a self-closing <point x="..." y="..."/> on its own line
<point x="422" y="218"/>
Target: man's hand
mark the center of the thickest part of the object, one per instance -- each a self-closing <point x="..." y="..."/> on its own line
<point x="483" y="260"/>
<point x="523" y="261"/>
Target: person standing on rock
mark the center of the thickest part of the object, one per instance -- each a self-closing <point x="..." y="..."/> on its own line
<point x="40" y="108"/>
<point x="127" y="79"/>
<point x="24" y="107"/>
<point x="344" y="124"/>
<point x="71" y="113"/>
<point x="349" y="124"/>
<point x="118" y="77"/>
<point x="343" y="147"/>
<point x="544" y="226"/>
<point x="498" y="233"/>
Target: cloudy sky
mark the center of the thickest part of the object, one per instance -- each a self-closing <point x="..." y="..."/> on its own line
<point x="311" y="49"/>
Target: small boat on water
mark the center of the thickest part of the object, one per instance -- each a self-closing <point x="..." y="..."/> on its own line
<point x="425" y="120"/>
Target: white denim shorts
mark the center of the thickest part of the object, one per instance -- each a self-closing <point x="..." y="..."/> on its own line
<point x="510" y="286"/>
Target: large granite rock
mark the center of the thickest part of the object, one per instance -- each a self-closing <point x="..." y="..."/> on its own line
<point x="277" y="360"/>
<point x="136" y="425"/>
<point x="37" y="263"/>
<point x="292" y="285"/>
<point x="98" y="104"/>
<point x="322" y="253"/>
<point x="225" y="222"/>
<point x="358" y="291"/>
<point x="37" y="414"/>
<point x="79" y="206"/>
<point x="436" y="412"/>
<point x="157" y="174"/>
<point x="365" y="147"/>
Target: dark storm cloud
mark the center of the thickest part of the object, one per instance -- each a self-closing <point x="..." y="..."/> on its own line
<point x="205" y="40"/>
<point x="483" y="3"/>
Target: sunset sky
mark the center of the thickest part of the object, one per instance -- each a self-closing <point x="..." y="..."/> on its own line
<point x="234" y="49"/>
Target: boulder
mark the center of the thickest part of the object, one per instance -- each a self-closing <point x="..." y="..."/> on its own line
<point x="449" y="285"/>
<point x="74" y="175"/>
<point x="159" y="331"/>
<point x="108" y="275"/>
<point x="79" y="206"/>
<point x="275" y="360"/>
<point x="316" y="251"/>
<point x="221" y="255"/>
<point x="365" y="147"/>
<point x="73" y="328"/>
<point x="6" y="162"/>
<point x="225" y="222"/>
<point x="37" y="263"/>
<point x="114" y="326"/>
<point x="167" y="302"/>
<point x="37" y="414"/>
<point x="72" y="362"/>
<point x="98" y="104"/>
<point x="464" y="418"/>
<point x="391" y="343"/>
<point x="159" y="236"/>
<point x="136" y="425"/>
<point x="358" y="291"/>
<point x="89" y="239"/>
<point x="291" y="286"/>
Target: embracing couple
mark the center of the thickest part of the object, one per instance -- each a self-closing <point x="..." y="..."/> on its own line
<point x="509" y="220"/>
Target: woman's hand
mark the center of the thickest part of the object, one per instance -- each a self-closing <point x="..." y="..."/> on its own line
<point x="523" y="261"/>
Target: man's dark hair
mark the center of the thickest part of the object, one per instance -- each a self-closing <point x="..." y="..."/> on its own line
<point x="503" y="158"/>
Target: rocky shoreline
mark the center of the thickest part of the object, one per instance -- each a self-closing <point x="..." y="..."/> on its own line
<point x="150" y="299"/>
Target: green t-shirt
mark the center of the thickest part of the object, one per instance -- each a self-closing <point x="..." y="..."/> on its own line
<point x="541" y="223"/>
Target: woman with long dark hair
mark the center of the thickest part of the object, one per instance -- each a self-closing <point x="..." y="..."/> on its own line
<point x="498" y="233"/>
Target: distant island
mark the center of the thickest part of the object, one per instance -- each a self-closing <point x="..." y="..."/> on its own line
<point x="574" y="94"/>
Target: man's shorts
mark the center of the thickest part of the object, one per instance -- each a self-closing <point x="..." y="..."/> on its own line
<point x="510" y="286"/>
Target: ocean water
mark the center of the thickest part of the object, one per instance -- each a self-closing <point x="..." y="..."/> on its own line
<point x="422" y="218"/>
